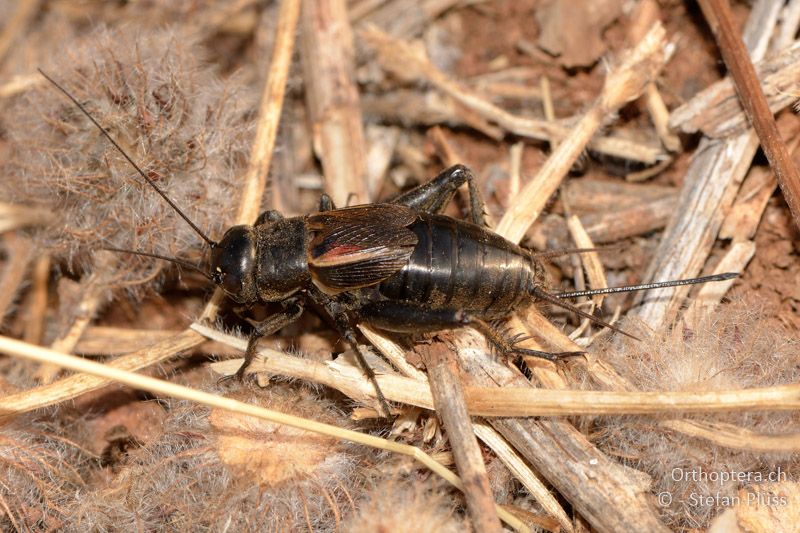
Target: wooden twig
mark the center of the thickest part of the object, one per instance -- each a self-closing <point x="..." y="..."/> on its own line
<point x="332" y="99"/>
<point x="751" y="96"/>
<point x="709" y="188"/>
<point x="448" y="400"/>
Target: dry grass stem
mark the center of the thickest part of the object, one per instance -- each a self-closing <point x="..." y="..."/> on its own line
<point x="510" y="400"/>
<point x="392" y="351"/>
<point x="332" y="99"/>
<point x="731" y="436"/>
<point x="19" y="84"/>
<point x="75" y="385"/>
<point x="522" y="472"/>
<point x="161" y="387"/>
<point x="709" y="296"/>
<point x="93" y="296"/>
<point x="624" y="83"/>
<point x="645" y="14"/>
<point x="396" y="53"/>
<point x="269" y="113"/>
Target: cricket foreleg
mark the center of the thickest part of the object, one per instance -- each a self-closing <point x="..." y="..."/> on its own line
<point x="435" y="195"/>
<point x="291" y="312"/>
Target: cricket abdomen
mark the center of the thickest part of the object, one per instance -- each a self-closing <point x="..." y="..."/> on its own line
<point x="458" y="265"/>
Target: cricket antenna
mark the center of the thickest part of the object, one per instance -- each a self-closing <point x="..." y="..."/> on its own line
<point x="647" y="286"/>
<point x="178" y="262"/>
<point x="108" y="136"/>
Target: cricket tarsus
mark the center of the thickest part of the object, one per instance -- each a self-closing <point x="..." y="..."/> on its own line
<point x="647" y="286"/>
<point x="128" y="158"/>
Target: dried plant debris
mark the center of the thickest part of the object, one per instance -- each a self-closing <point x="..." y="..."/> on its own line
<point x="406" y="505"/>
<point x="42" y="470"/>
<point x="730" y="349"/>
<point x="187" y="129"/>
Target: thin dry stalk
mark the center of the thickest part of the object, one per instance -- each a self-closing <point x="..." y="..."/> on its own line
<point x="75" y="385"/>
<point x="751" y="96"/>
<point x="516" y="399"/>
<point x="448" y="400"/>
<point x="93" y="296"/>
<point x="731" y="436"/>
<point x="405" y="61"/>
<point x="269" y="113"/>
<point x="623" y="83"/>
<point x="332" y="99"/>
<point x="645" y="14"/>
<point x="156" y="386"/>
<point x="710" y="185"/>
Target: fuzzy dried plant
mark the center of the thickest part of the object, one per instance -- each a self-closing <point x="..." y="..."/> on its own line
<point x="187" y="129"/>
<point x="406" y="505"/>
<point x="216" y="471"/>
<point x="732" y="348"/>
<point x="42" y="469"/>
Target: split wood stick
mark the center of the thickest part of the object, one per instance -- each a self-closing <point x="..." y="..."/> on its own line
<point x="716" y="110"/>
<point x="448" y="400"/>
<point x="332" y="99"/>
<point x="751" y="96"/>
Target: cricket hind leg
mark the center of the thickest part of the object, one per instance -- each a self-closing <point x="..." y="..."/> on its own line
<point x="407" y="317"/>
<point x="290" y="313"/>
<point x="435" y="195"/>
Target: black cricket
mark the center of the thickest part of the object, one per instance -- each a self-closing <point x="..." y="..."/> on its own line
<point x="399" y="266"/>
